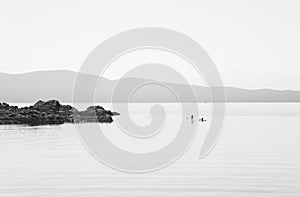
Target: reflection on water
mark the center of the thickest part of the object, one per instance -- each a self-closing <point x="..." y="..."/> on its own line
<point x="256" y="156"/>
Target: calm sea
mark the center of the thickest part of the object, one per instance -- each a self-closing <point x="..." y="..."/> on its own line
<point x="258" y="154"/>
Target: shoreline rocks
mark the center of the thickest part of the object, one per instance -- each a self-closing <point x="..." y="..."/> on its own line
<point x="52" y="113"/>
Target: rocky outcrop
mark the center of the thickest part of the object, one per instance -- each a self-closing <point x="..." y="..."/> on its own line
<point x="52" y="112"/>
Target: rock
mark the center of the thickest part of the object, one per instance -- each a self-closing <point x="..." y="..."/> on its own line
<point x="22" y="119"/>
<point x="52" y="112"/>
<point x="5" y="106"/>
<point x="49" y="106"/>
<point x="113" y="113"/>
<point x="95" y="108"/>
<point x="39" y="104"/>
<point x="66" y="108"/>
<point x="107" y="119"/>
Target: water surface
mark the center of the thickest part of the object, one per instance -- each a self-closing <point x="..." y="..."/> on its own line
<point x="257" y="155"/>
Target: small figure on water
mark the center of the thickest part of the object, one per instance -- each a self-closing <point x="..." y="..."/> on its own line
<point x="192" y="118"/>
<point x="202" y="120"/>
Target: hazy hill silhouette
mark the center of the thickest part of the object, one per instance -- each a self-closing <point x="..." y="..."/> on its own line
<point x="58" y="84"/>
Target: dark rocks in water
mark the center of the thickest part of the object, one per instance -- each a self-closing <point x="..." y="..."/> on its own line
<point x="113" y="113"/>
<point x="106" y="118"/>
<point x="49" y="106"/>
<point x="52" y="112"/>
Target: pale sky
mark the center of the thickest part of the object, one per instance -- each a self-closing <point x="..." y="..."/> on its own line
<point x="254" y="44"/>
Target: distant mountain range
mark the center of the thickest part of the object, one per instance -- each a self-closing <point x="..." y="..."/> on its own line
<point x="58" y="84"/>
